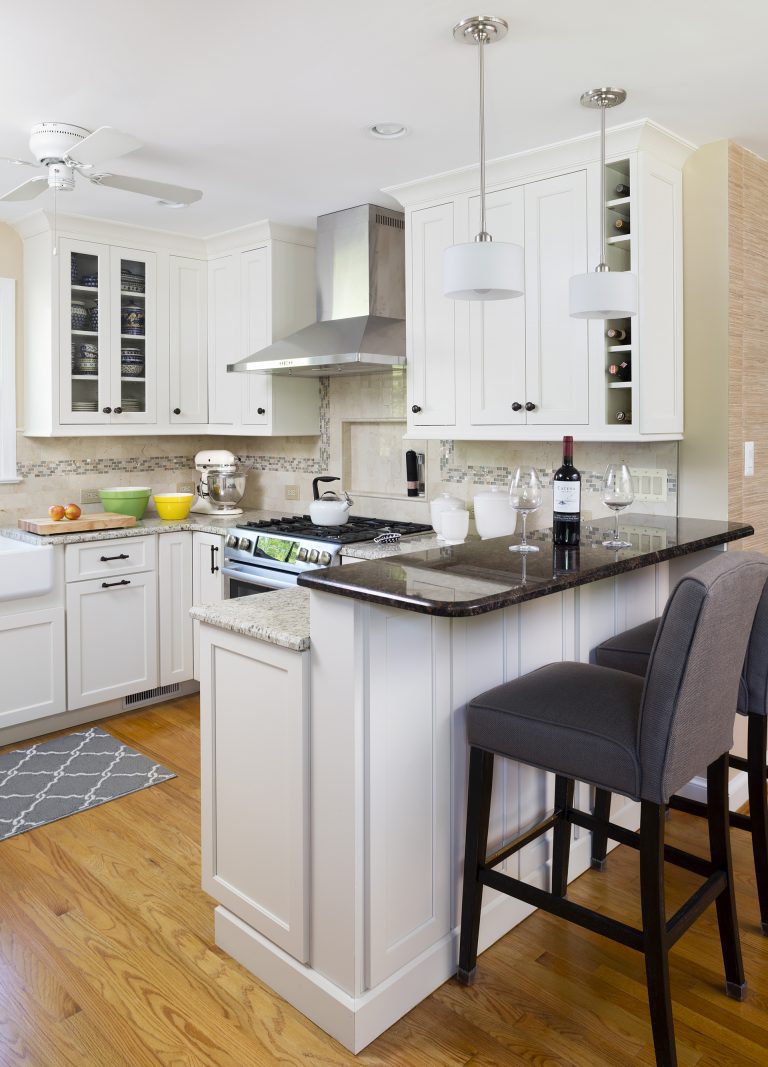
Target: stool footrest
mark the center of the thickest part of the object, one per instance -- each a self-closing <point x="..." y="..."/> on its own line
<point x="696" y="905"/>
<point x="525" y="838"/>
<point x="697" y="807"/>
<point x="696" y="864"/>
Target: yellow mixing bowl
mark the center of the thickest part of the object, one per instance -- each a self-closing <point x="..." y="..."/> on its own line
<point x="173" y="505"/>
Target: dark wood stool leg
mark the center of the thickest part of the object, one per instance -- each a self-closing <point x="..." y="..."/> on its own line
<point x="758" y="808"/>
<point x="720" y="850"/>
<point x="475" y="850"/>
<point x="561" y="841"/>
<point x="602" y="810"/>
<point x="655" y="931"/>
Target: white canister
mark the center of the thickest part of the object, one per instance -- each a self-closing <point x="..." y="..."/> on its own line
<point x="442" y="502"/>
<point x="494" y="517"/>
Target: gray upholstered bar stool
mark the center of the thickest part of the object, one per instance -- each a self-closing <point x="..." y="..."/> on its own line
<point x="631" y="651"/>
<point x="641" y="739"/>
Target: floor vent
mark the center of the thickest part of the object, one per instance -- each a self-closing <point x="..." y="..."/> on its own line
<point x="135" y="699"/>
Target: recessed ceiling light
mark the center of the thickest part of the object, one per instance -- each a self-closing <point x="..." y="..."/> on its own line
<point x="388" y="130"/>
<point x="171" y="203"/>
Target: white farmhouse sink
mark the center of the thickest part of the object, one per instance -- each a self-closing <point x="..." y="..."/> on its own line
<point x="25" y="570"/>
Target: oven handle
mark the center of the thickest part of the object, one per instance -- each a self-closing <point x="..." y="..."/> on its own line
<point x="253" y="577"/>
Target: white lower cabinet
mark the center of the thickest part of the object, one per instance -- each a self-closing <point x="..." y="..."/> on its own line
<point x="111" y="637"/>
<point x="32" y="665"/>
<point x="174" y="603"/>
<point x="207" y="581"/>
<point x="254" y="760"/>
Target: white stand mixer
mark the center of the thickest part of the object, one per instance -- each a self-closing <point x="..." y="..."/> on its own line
<point x="221" y="486"/>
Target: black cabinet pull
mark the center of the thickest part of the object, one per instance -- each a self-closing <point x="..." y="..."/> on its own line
<point x="415" y="409"/>
<point x="530" y="407"/>
<point x="177" y="411"/>
<point x="214" y="550"/>
<point x="517" y="407"/>
<point x="108" y="585"/>
<point x="107" y="411"/>
<point x="261" y="411"/>
<point x="107" y="559"/>
<point x="118" y="411"/>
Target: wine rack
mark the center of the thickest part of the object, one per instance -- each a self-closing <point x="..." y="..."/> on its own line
<point x="619" y="348"/>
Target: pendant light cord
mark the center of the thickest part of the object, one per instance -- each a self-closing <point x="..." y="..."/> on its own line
<point x="481" y="37"/>
<point x="603" y="249"/>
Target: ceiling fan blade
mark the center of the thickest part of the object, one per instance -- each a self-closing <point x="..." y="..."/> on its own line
<point x="28" y="190"/>
<point x="159" y="190"/>
<point x="18" y="162"/>
<point x="104" y="143"/>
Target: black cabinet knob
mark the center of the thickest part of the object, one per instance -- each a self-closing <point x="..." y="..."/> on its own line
<point x="530" y="407"/>
<point x="261" y="411"/>
<point x="118" y="411"/>
<point x="107" y="411"/>
<point x="517" y="407"/>
<point x="177" y="411"/>
<point x="415" y="409"/>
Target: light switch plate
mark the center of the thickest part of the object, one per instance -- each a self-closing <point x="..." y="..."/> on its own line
<point x="291" y="492"/>
<point x="185" y="487"/>
<point x="650" y="484"/>
<point x="90" y="496"/>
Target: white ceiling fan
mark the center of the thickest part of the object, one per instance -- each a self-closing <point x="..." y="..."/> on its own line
<point x="64" y="150"/>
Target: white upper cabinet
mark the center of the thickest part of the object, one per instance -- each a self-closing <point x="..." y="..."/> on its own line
<point x="524" y="369"/>
<point x="188" y="351"/>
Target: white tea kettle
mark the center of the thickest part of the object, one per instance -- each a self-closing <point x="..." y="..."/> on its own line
<point x="329" y="509"/>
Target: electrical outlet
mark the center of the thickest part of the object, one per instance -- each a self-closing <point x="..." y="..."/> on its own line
<point x="650" y="484"/>
<point x="185" y="487"/>
<point x="291" y="492"/>
<point x="90" y="496"/>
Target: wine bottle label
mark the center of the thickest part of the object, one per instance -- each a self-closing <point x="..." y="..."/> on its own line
<point x="567" y="497"/>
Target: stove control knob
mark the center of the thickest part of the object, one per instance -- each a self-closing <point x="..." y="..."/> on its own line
<point x="244" y="543"/>
<point x="325" y="558"/>
<point x="230" y="541"/>
<point x="302" y="556"/>
<point x="313" y="554"/>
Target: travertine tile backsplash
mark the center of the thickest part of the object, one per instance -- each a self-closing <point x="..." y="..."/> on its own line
<point x="362" y="424"/>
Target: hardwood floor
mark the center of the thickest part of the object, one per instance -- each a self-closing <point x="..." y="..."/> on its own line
<point x="107" y="957"/>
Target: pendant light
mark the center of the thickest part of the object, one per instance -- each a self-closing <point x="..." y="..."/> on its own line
<point x="603" y="294"/>
<point x="482" y="269"/>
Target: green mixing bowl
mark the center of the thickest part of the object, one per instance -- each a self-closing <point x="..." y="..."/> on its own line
<point x="126" y="499"/>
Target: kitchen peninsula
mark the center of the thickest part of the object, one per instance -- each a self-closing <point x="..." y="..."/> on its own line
<point x="334" y="797"/>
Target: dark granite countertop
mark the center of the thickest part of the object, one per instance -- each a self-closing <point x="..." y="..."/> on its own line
<point x="479" y="576"/>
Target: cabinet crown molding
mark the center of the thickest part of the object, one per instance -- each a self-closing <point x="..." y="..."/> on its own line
<point x="533" y="163"/>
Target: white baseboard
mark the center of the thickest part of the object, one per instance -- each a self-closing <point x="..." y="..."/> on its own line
<point x="356" y="1020"/>
<point x="738" y="790"/>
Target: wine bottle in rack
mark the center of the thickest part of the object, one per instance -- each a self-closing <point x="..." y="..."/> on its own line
<point x="623" y="416"/>
<point x="616" y="334"/>
<point x="621" y="372"/>
<point x="566" y="494"/>
<point x="622" y="190"/>
<point x="622" y="225"/>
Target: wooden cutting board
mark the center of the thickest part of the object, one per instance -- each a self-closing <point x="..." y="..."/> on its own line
<point x="95" y="520"/>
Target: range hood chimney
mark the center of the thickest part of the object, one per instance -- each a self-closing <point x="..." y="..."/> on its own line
<point x="360" y="301"/>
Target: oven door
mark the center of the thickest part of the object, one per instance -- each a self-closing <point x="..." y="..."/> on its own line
<point x="245" y="579"/>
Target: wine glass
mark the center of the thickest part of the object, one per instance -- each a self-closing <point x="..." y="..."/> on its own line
<point x="524" y="497"/>
<point x="618" y="494"/>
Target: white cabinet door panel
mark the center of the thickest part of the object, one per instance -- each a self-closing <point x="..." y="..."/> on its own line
<point x="174" y="572"/>
<point x="432" y="362"/>
<point x="255" y="332"/>
<point x="224" y="396"/>
<point x="32" y="665"/>
<point x="188" y="341"/>
<point x="255" y="759"/>
<point x="207" y="581"/>
<point x="497" y="327"/>
<point x="557" y="354"/>
<point x="111" y="638"/>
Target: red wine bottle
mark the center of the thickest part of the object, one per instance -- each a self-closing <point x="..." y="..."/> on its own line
<point x="622" y="190"/>
<point x="621" y="372"/>
<point x="566" y="491"/>
<point x="621" y="225"/>
<point x="616" y="334"/>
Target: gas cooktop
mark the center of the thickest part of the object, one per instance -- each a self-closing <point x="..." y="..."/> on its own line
<point x="355" y="529"/>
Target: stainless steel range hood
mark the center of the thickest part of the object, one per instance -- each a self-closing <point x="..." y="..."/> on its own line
<point x="360" y="301"/>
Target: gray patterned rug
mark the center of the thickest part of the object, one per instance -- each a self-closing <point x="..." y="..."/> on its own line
<point x="48" y="781"/>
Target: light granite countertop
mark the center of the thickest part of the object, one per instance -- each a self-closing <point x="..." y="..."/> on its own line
<point x="280" y="617"/>
<point x="412" y="543"/>
<point x="150" y="524"/>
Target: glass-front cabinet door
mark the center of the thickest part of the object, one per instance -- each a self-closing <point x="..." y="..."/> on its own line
<point x="84" y="325"/>
<point x="134" y="329"/>
<point x="107" y="316"/>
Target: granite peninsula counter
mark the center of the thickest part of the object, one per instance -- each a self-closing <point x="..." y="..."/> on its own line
<point x="334" y="778"/>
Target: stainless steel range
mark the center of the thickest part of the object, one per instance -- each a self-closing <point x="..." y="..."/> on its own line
<point x="272" y="553"/>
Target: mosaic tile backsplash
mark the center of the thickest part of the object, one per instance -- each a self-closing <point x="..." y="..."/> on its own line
<point x="372" y="406"/>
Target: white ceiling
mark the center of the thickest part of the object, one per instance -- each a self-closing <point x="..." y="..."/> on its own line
<point x="265" y="107"/>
